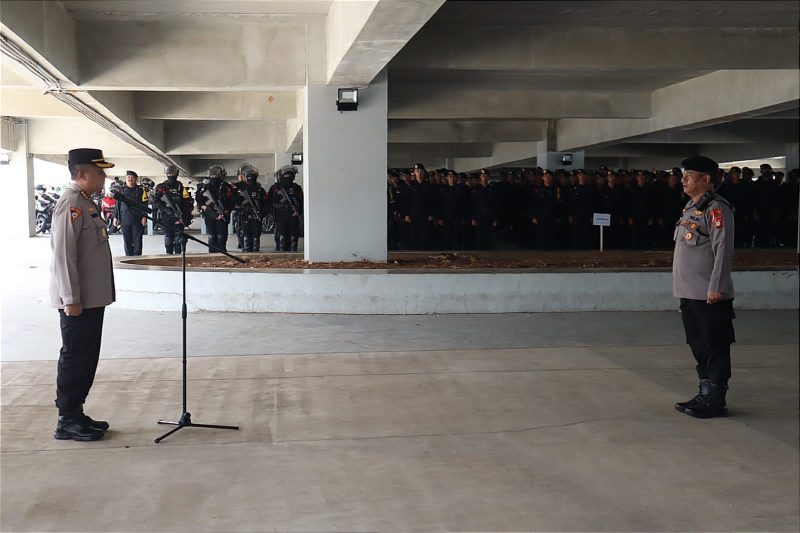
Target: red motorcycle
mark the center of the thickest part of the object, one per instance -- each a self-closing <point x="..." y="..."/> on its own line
<point x="108" y="206"/>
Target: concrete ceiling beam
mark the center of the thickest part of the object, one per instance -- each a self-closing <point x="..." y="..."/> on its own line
<point x="696" y="101"/>
<point x="740" y="131"/>
<point x="458" y="131"/>
<point x="238" y="105"/>
<point x="362" y="37"/>
<point x="208" y="54"/>
<point x="478" y="47"/>
<point x="44" y="34"/>
<point x="188" y="137"/>
<point x="46" y="31"/>
<point x="413" y="151"/>
<point x="420" y="102"/>
<point x="31" y="103"/>
<point x="122" y="106"/>
<point x="59" y="136"/>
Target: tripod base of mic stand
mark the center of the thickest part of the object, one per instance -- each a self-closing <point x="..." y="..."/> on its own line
<point x="186" y="422"/>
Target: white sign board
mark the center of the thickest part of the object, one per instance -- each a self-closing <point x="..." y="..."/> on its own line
<point x="602" y="219"/>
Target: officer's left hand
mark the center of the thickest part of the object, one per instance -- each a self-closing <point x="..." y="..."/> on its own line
<point x="713" y="297"/>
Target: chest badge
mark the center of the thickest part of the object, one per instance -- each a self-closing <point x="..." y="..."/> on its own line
<point x="689" y="236"/>
<point x="697" y="212"/>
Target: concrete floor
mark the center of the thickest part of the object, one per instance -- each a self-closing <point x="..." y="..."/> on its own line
<point x="542" y="422"/>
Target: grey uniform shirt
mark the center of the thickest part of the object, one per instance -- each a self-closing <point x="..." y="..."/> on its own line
<point x="703" y="257"/>
<point x="81" y="271"/>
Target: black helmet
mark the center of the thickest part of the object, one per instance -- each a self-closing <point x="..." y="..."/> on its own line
<point x="242" y="170"/>
<point x="251" y="173"/>
<point x="287" y="172"/>
<point x="217" y="171"/>
<point x="171" y="170"/>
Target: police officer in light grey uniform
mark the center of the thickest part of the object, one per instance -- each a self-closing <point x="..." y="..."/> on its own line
<point x="81" y="285"/>
<point x="701" y="278"/>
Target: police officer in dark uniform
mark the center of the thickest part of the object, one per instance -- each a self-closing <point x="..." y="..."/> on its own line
<point x="252" y="206"/>
<point x="286" y="199"/>
<point x="483" y="212"/>
<point x="174" y="213"/>
<point x="81" y="286"/>
<point x="545" y="205"/>
<point x="701" y="274"/>
<point x="581" y="200"/>
<point x="236" y="214"/>
<point x="215" y="201"/>
<point x="132" y="220"/>
<point x="453" y="212"/>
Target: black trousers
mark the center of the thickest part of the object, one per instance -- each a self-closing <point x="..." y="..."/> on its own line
<point x="709" y="333"/>
<point x="217" y="233"/>
<point x="77" y="363"/>
<point x="287" y="232"/>
<point x="132" y="237"/>
<point x="251" y="231"/>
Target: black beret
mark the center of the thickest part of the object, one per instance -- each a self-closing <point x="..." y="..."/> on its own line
<point x="419" y="166"/>
<point x="699" y="163"/>
<point x="88" y="156"/>
<point x="131" y="173"/>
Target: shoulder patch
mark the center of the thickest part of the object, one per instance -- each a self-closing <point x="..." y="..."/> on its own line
<point x="75" y="213"/>
<point x="717" y="217"/>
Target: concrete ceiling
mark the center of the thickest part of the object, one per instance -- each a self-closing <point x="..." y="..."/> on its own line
<point x="622" y="73"/>
<point x="470" y="83"/>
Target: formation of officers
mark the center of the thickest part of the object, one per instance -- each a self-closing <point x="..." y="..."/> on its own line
<point x="250" y="203"/>
<point x="536" y="208"/>
<point x="218" y="201"/>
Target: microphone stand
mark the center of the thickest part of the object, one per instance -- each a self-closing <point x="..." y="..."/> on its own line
<point x="185" y="419"/>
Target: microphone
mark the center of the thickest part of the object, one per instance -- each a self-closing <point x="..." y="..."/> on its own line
<point x="118" y="196"/>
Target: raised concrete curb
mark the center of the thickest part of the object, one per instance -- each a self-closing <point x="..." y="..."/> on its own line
<point x="424" y="292"/>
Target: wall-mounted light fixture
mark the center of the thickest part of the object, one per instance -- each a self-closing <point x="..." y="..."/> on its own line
<point x="297" y="158"/>
<point x="347" y="100"/>
<point x="566" y="159"/>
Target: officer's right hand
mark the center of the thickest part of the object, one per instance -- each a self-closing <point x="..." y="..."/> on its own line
<point x="73" y="309"/>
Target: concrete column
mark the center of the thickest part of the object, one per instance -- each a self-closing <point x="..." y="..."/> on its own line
<point x="554" y="160"/>
<point x="345" y="174"/>
<point x="792" y="152"/>
<point x="22" y="211"/>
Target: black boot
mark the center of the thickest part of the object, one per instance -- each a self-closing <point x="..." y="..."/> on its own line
<point x="712" y="404"/>
<point x="293" y="244"/>
<point x="75" y="426"/>
<point x="703" y="390"/>
<point x="102" y="425"/>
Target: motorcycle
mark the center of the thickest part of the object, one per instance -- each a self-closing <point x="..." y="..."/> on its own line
<point x="45" y="203"/>
<point x="108" y="207"/>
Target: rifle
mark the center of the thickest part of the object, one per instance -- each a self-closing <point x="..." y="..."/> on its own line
<point x="168" y="201"/>
<point x="210" y="200"/>
<point x="249" y="201"/>
<point x="289" y="199"/>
